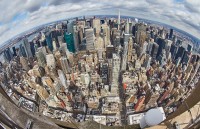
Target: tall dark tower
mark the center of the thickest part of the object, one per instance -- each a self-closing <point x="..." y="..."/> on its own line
<point x="171" y="33"/>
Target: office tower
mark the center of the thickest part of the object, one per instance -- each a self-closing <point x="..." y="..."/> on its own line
<point x="193" y="74"/>
<point x="70" y="41"/>
<point x="126" y="37"/>
<point x="186" y="57"/>
<point x="149" y="47"/>
<point x="89" y="34"/>
<point x="7" y="54"/>
<point x="65" y="65"/>
<point x="60" y="40"/>
<point x="32" y="48"/>
<point x="115" y="38"/>
<point x="130" y="49"/>
<point x="96" y="25"/>
<point x="140" y="34"/>
<point x="99" y="43"/>
<point x="147" y="62"/>
<point x="106" y="34"/>
<point x="49" y="40"/>
<point x="62" y="78"/>
<point x="41" y="57"/>
<point x="27" y="48"/>
<point x="178" y="61"/>
<point x="24" y="63"/>
<point x="144" y="48"/>
<point x="22" y="50"/>
<point x="154" y="50"/>
<point x="109" y="51"/>
<point x="189" y="47"/>
<point x="14" y="51"/>
<point x="124" y="56"/>
<point x="51" y="63"/>
<point x="188" y="72"/>
<point x="162" y="58"/>
<point x="180" y="52"/>
<point x="168" y="45"/>
<point x="70" y="27"/>
<point x="173" y="50"/>
<point x="115" y="69"/>
<point x="161" y="43"/>
<point x="127" y="27"/>
<point x="103" y="72"/>
<point x="171" y="33"/>
<point x="76" y="38"/>
<point x="118" y="21"/>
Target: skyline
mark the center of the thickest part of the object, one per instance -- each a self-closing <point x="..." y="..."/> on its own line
<point x="181" y="14"/>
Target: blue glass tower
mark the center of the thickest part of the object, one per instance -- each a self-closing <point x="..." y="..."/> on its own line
<point x="70" y="42"/>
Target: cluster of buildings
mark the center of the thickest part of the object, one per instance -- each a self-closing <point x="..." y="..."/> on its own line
<point x="108" y="70"/>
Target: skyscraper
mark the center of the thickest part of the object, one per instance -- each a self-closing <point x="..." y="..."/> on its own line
<point x="171" y="33"/>
<point x="96" y="25"/>
<point x="180" y="52"/>
<point x="154" y="50"/>
<point x="119" y="22"/>
<point x="115" y="69"/>
<point x="130" y="49"/>
<point x="124" y="56"/>
<point x="109" y="51"/>
<point x="27" y="48"/>
<point x="89" y="33"/>
<point x="70" y="41"/>
<point x="161" y="42"/>
<point x="49" y="41"/>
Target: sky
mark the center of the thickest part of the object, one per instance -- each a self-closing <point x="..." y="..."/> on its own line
<point x="17" y="16"/>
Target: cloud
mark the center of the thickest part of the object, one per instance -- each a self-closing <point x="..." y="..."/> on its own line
<point x="17" y="16"/>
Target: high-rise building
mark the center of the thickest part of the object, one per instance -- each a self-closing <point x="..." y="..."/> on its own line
<point x="147" y="62"/>
<point x="130" y="49"/>
<point x="109" y="51"/>
<point x="27" y="48"/>
<point x="118" y="21"/>
<point x="51" y="62"/>
<point x="49" y="40"/>
<point x="115" y="69"/>
<point x="189" y="47"/>
<point x="70" y="41"/>
<point x="127" y="27"/>
<point x="186" y="57"/>
<point x="161" y="42"/>
<point x="171" y="33"/>
<point x="76" y="38"/>
<point x="173" y="50"/>
<point x="124" y="56"/>
<point x="149" y="47"/>
<point x="65" y="65"/>
<point x="140" y="34"/>
<point x="180" y="52"/>
<point x="7" y="54"/>
<point x="22" y="50"/>
<point x="103" y="72"/>
<point x="154" y="50"/>
<point x="96" y="24"/>
<point x="24" y="63"/>
<point x="14" y="51"/>
<point x="89" y="34"/>
<point x="106" y="34"/>
<point x="41" y="57"/>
